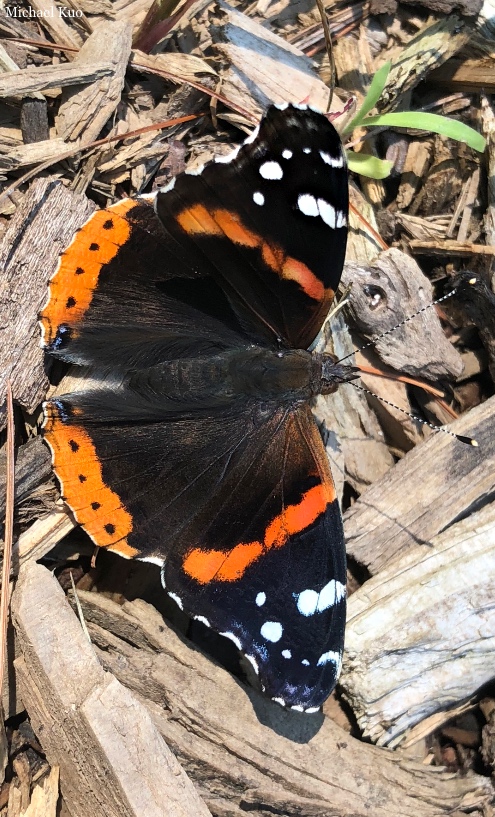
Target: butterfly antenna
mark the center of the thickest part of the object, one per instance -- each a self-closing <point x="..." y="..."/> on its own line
<point x="459" y="437"/>
<point x="329" y="49"/>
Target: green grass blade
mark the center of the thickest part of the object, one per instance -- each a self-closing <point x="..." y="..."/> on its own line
<point x="430" y="122"/>
<point x="374" y="93"/>
<point x="369" y="166"/>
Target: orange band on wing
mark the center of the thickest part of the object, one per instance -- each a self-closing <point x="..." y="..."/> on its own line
<point x="95" y="505"/>
<point x="197" y="220"/>
<point x="73" y="285"/>
<point x="228" y="566"/>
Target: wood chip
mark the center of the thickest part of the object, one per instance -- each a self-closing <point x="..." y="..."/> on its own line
<point x="420" y="636"/>
<point x="435" y="484"/>
<point x="84" y="112"/>
<point x="112" y="759"/>
<point x="442" y="249"/>
<point x="50" y="18"/>
<point x="42" y="227"/>
<point x="20" y="83"/>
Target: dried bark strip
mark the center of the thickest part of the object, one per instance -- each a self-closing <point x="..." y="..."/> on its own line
<point x="84" y="112"/>
<point x="444" y="248"/>
<point x="27" y="80"/>
<point x="247" y="754"/>
<point x="113" y="762"/>
<point x="433" y="485"/>
<point x="420" y="635"/>
<point x="41" y="228"/>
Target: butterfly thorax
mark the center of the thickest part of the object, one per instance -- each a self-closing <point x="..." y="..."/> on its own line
<point x="252" y="372"/>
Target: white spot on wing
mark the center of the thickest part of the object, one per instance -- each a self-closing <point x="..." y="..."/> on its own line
<point x="203" y="620"/>
<point x="233" y="638"/>
<point x="287" y="154"/>
<point x="260" y="599"/>
<point x="305" y="662"/>
<point x="341" y="219"/>
<point x="333" y="161"/>
<point x="195" y="171"/>
<point x="252" y="136"/>
<point x="225" y="160"/>
<point x="327" y="657"/>
<point x="252" y="661"/>
<point x="153" y="560"/>
<point x="279" y="701"/>
<point x="311" y="709"/>
<point x="169" y="186"/>
<point x="272" y="631"/>
<point x="310" y="602"/>
<point x="258" y="198"/>
<point x="306" y="150"/>
<point x="271" y="171"/>
<point x="327" y="212"/>
<point x="177" y="600"/>
<point x="307" y="204"/>
<point x="286" y="654"/>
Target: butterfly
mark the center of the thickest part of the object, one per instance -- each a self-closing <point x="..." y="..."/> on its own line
<point x="201" y="454"/>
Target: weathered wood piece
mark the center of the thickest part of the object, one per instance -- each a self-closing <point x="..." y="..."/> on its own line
<point x="420" y="635"/>
<point x="439" y="481"/>
<point x="84" y="112"/>
<point x="41" y="228"/>
<point x="20" y="83"/>
<point x="382" y="296"/>
<point x="264" y="68"/>
<point x="442" y="249"/>
<point x="32" y="468"/>
<point x="246" y="754"/>
<point x="431" y="47"/>
<point x="471" y="76"/>
<point x="50" y="18"/>
<point x="113" y="762"/>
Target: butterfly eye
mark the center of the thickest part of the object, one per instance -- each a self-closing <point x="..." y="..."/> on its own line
<point x="375" y="295"/>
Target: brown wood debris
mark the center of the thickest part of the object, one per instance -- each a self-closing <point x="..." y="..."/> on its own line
<point x="141" y="721"/>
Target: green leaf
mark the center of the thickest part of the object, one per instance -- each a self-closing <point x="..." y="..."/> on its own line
<point x="430" y="122"/>
<point x="374" y="93"/>
<point x="369" y="166"/>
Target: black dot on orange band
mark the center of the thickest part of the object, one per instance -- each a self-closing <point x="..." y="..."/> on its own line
<point x="108" y="224"/>
<point x="71" y="301"/>
<point x="79" y="271"/>
<point x="73" y="445"/>
<point x="94" y="247"/>
<point x="95" y="505"/>
<point x="82" y="478"/>
<point x="110" y="528"/>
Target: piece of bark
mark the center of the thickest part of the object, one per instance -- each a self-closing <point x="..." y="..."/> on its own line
<point x="470" y="76"/>
<point x="488" y="129"/>
<point x="113" y="762"/>
<point x="41" y="228"/>
<point x="433" y="46"/>
<point x="438" y="482"/>
<point x="44" y="798"/>
<point x="362" y="245"/>
<point x="413" y="173"/>
<point x="247" y="754"/>
<point x="382" y="296"/>
<point x="420" y="636"/>
<point x="262" y="68"/>
<point x="23" y="155"/>
<point x="34" y="120"/>
<point x="51" y="19"/>
<point x="442" y="249"/>
<point x="84" y="112"/>
<point x="44" y="534"/>
<point x="32" y="468"/>
<point x="20" y="83"/>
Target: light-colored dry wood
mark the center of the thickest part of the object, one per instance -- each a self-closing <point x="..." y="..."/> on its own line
<point x="444" y="248"/>
<point x="431" y="47"/>
<point x="263" y="67"/>
<point x="29" y="80"/>
<point x="420" y="635"/>
<point x="439" y="481"/>
<point x="488" y="126"/>
<point x="32" y="154"/>
<point x="416" y="164"/>
<point x="466" y="75"/>
<point x="113" y="762"/>
<point x="41" y="228"/>
<point x="387" y="293"/>
<point x="51" y="19"/>
<point x="246" y="753"/>
<point x="44" y="534"/>
<point x="83" y="112"/>
<point x="45" y="796"/>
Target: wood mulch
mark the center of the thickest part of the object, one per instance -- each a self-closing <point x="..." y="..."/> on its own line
<point x="101" y="99"/>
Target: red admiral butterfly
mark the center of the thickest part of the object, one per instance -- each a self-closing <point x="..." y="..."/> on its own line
<point x="204" y="457"/>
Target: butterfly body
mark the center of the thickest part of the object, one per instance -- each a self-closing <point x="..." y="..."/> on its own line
<point x="204" y="457"/>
